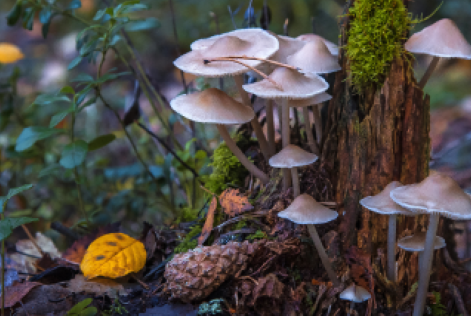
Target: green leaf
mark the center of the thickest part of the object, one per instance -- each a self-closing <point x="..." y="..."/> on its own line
<point x="45" y="29"/>
<point x="18" y="190"/>
<point x="140" y="25"/>
<point x="67" y="90"/>
<point x="79" y="307"/>
<point x="46" y="99"/>
<point x="28" y="18"/>
<point x="89" y="311"/>
<point x="15" y="13"/>
<point x="88" y="103"/>
<point x="74" y="4"/>
<point x="74" y="154"/>
<point x="74" y="62"/>
<point x="45" y="15"/>
<point x="56" y="119"/>
<point x="8" y="224"/>
<point x="31" y="135"/>
<point x="200" y="154"/>
<point x="49" y="170"/>
<point x="101" y="141"/>
<point x="83" y="78"/>
<point x="112" y="76"/>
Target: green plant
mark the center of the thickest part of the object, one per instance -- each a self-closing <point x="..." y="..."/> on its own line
<point x="82" y="309"/>
<point x="116" y="308"/>
<point x="190" y="241"/>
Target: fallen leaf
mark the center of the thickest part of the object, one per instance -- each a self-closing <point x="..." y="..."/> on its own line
<point x="16" y="292"/>
<point x="208" y="224"/>
<point x="113" y="256"/>
<point x="10" y="53"/>
<point x="267" y="295"/>
<point x="76" y="252"/>
<point x="233" y="203"/>
<point x="46" y="300"/>
<point x="98" y="286"/>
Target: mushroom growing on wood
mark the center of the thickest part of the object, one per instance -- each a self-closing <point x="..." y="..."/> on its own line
<point x="249" y="42"/>
<point x="314" y="57"/>
<point x="334" y="49"/>
<point x="215" y="106"/>
<point x="441" y="39"/>
<point x="292" y="157"/>
<point x="383" y="204"/>
<point x="295" y="86"/>
<point x="436" y="195"/>
<point x="306" y="211"/>
<point x="354" y="294"/>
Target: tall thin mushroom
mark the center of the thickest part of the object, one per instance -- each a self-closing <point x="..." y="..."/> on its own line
<point x="249" y="42"/>
<point x="292" y="157"/>
<point x="215" y="106"/>
<point x="306" y="211"/>
<point x="436" y="195"/>
<point x="294" y="86"/>
<point x="442" y="39"/>
<point x="382" y="203"/>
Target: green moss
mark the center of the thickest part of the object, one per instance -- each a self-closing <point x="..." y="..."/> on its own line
<point x="227" y="170"/>
<point x="377" y="31"/>
<point x="190" y="242"/>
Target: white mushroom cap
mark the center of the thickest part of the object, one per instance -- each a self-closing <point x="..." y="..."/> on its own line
<point x="294" y="85"/>
<point x="306" y="210"/>
<point x="249" y="42"/>
<point x="212" y="106"/>
<point x="355" y="293"/>
<point x="438" y="193"/>
<point x="441" y="39"/>
<point x="334" y="49"/>
<point x="314" y="57"/>
<point x="416" y="242"/>
<point x="292" y="156"/>
<point x="315" y="100"/>
<point x="288" y="46"/>
<point x="383" y="204"/>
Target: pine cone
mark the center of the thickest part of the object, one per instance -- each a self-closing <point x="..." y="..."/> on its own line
<point x="193" y="275"/>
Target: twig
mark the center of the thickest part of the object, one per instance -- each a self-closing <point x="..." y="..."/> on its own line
<point x="32" y="239"/>
<point x="170" y="150"/>
<point x="206" y="61"/>
<point x="458" y="299"/>
<point x="260" y="59"/>
<point x="139" y="281"/>
<point x="247" y="277"/>
<point x="58" y="227"/>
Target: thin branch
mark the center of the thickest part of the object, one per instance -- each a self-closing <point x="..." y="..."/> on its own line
<point x="258" y="58"/>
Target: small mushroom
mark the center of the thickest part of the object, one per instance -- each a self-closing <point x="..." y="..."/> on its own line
<point x="441" y="39"/>
<point x="314" y="57"/>
<point x="292" y="157"/>
<point x="215" y="106"/>
<point x="251" y="42"/>
<point x="416" y="243"/>
<point x="334" y="49"/>
<point x="306" y="211"/>
<point x="436" y="195"/>
<point x="354" y="294"/>
<point x="383" y="204"/>
<point x="294" y="85"/>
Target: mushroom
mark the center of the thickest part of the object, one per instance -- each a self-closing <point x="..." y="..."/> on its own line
<point x="249" y="42"/>
<point x="334" y="49"/>
<point x="306" y="211"/>
<point x="205" y="107"/>
<point x="294" y="85"/>
<point x="437" y="194"/>
<point x="355" y="294"/>
<point x="304" y="103"/>
<point x="383" y="204"/>
<point x="416" y="243"/>
<point x="441" y="39"/>
<point x="292" y="157"/>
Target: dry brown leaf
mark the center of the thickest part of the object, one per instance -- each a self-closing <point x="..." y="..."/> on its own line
<point x="98" y="286"/>
<point x="208" y="224"/>
<point x="233" y="203"/>
<point x="16" y="292"/>
<point x="268" y="292"/>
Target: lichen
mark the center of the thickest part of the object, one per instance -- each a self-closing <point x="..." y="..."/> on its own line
<point x="378" y="29"/>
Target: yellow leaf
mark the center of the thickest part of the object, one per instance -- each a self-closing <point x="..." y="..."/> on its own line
<point x="9" y="53"/>
<point x="113" y="256"/>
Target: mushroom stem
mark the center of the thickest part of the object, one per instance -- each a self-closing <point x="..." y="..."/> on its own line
<point x="316" y="109"/>
<point x="392" y="248"/>
<point x="420" y="259"/>
<point x="323" y="255"/>
<point x="270" y="126"/>
<point x="352" y="304"/>
<point x="240" y="155"/>
<point x="264" y="148"/>
<point x="295" y="176"/>
<point x="285" y="135"/>
<point x="429" y="72"/>
<point x="310" y="137"/>
<point x="425" y="268"/>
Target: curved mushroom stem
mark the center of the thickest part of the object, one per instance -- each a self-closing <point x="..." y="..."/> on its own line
<point x="295" y="176"/>
<point x="425" y="268"/>
<point x="316" y="109"/>
<point x="240" y="155"/>
<point x="285" y="135"/>
<point x="392" y="248"/>
<point x="310" y="137"/>
<point x="264" y="148"/>
<point x="323" y="255"/>
<point x="270" y="126"/>
<point x="352" y="304"/>
<point x="429" y="72"/>
<point x="420" y="258"/>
